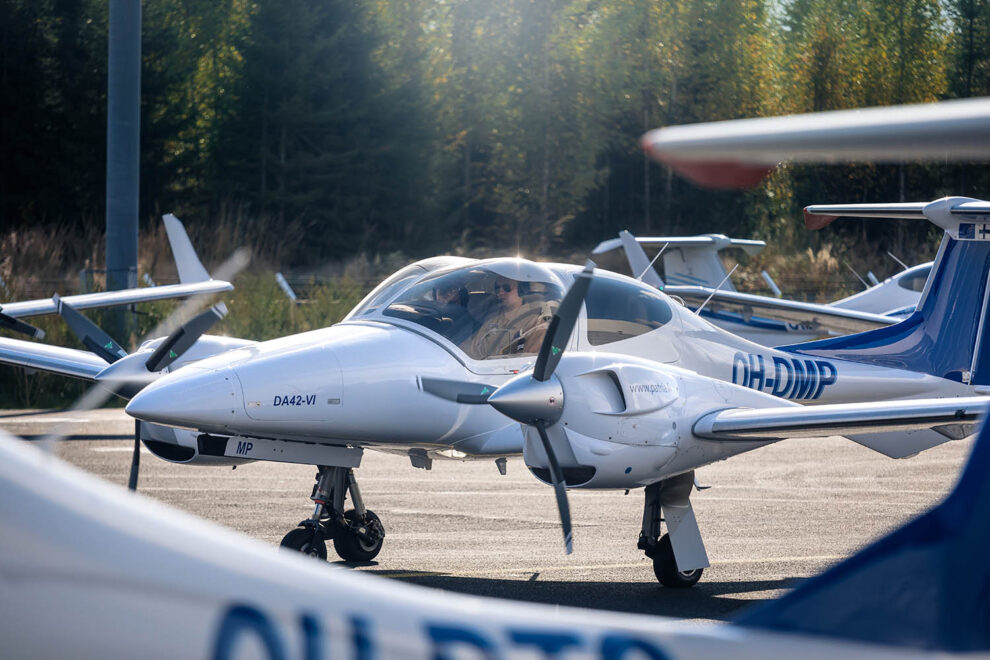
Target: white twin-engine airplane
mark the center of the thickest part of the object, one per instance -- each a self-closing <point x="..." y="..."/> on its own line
<point x="647" y="392"/>
<point x="694" y="273"/>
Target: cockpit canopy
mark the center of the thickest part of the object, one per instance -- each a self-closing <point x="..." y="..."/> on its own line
<point x="501" y="308"/>
<point x="489" y="310"/>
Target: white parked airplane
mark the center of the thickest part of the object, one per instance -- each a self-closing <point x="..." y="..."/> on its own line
<point x="140" y="579"/>
<point x="318" y="397"/>
<point x="694" y="273"/>
<point x="193" y="280"/>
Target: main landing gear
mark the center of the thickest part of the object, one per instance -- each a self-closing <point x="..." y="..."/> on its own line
<point x="671" y="498"/>
<point x="357" y="533"/>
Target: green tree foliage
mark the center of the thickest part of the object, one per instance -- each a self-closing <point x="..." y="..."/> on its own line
<point x="455" y="125"/>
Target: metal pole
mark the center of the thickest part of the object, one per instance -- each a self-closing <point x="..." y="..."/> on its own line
<point x="123" y="149"/>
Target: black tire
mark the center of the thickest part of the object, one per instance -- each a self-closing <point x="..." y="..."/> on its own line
<point x="665" y="567"/>
<point x="352" y="547"/>
<point x="306" y="541"/>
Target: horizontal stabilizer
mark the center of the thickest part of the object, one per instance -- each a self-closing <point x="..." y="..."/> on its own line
<point x="114" y="298"/>
<point x="55" y="359"/>
<point x="716" y="241"/>
<point x="810" y="316"/>
<point x="963" y="218"/>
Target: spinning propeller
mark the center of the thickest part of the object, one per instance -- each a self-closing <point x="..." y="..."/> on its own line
<point x="535" y="398"/>
<point x="99" y="342"/>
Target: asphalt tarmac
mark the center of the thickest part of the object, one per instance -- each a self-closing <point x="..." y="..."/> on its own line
<point x="771" y="518"/>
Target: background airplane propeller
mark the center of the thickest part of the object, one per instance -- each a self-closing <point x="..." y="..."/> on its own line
<point x="17" y="325"/>
<point x="179" y="340"/>
<point x="535" y="398"/>
<point x="91" y="335"/>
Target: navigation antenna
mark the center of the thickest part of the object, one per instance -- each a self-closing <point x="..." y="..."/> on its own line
<point x="891" y="255"/>
<point x="650" y="265"/>
<point x="724" y="280"/>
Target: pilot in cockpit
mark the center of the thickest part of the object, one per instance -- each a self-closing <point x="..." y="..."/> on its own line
<point x="515" y="324"/>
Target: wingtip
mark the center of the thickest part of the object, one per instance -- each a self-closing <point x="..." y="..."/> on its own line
<point x="815" y="221"/>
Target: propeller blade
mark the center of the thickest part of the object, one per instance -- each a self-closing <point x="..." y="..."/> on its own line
<point x="17" y="325"/>
<point x="184" y="336"/>
<point x="562" y="324"/>
<point x="559" y="489"/>
<point x="136" y="458"/>
<point x="91" y="335"/>
<point x="457" y="391"/>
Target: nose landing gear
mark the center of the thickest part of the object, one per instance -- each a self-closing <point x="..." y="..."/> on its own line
<point x="357" y="533"/>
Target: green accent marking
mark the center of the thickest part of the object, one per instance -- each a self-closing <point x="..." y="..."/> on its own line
<point x="555" y="350"/>
<point x="173" y="354"/>
<point x="485" y="391"/>
<point x="110" y="346"/>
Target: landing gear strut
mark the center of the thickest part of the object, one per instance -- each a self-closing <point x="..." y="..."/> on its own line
<point x="357" y="533"/>
<point x="671" y="497"/>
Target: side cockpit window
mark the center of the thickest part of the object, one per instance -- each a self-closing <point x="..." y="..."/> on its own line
<point x="619" y="310"/>
<point x="486" y="313"/>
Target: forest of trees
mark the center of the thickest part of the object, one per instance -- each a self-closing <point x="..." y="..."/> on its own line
<point x="434" y="125"/>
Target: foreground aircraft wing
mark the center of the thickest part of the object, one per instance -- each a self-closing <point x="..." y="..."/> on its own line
<point x="810" y="316"/>
<point x="55" y="359"/>
<point x="143" y="580"/>
<point x="928" y="422"/>
<point x="739" y="153"/>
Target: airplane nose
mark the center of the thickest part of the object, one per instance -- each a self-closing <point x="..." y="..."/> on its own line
<point x="192" y="396"/>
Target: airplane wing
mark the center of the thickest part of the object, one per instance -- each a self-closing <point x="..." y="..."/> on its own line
<point x="810" y="315"/>
<point x="43" y="306"/>
<point x="55" y="359"/>
<point x="738" y="153"/>
<point x="194" y="280"/>
<point x="928" y="422"/>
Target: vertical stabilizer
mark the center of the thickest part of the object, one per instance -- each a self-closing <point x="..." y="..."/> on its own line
<point x="945" y="336"/>
<point x="925" y="586"/>
<point x="186" y="260"/>
<point x="639" y="264"/>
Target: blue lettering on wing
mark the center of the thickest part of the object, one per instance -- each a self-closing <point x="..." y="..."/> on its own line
<point x="786" y="377"/>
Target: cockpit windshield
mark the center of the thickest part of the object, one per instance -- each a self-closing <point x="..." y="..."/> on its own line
<point x="492" y="310"/>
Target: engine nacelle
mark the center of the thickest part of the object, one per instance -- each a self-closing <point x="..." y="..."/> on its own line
<point x="188" y="447"/>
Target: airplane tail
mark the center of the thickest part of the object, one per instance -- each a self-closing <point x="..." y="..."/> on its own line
<point x="687" y="260"/>
<point x="187" y="262"/>
<point x="925" y="586"/>
<point x="946" y="335"/>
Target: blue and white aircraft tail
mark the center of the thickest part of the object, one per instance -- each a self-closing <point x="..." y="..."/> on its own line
<point x="925" y="586"/>
<point x="946" y="336"/>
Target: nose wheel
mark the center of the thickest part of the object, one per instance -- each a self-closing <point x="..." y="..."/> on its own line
<point x="307" y="541"/>
<point x="357" y="534"/>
